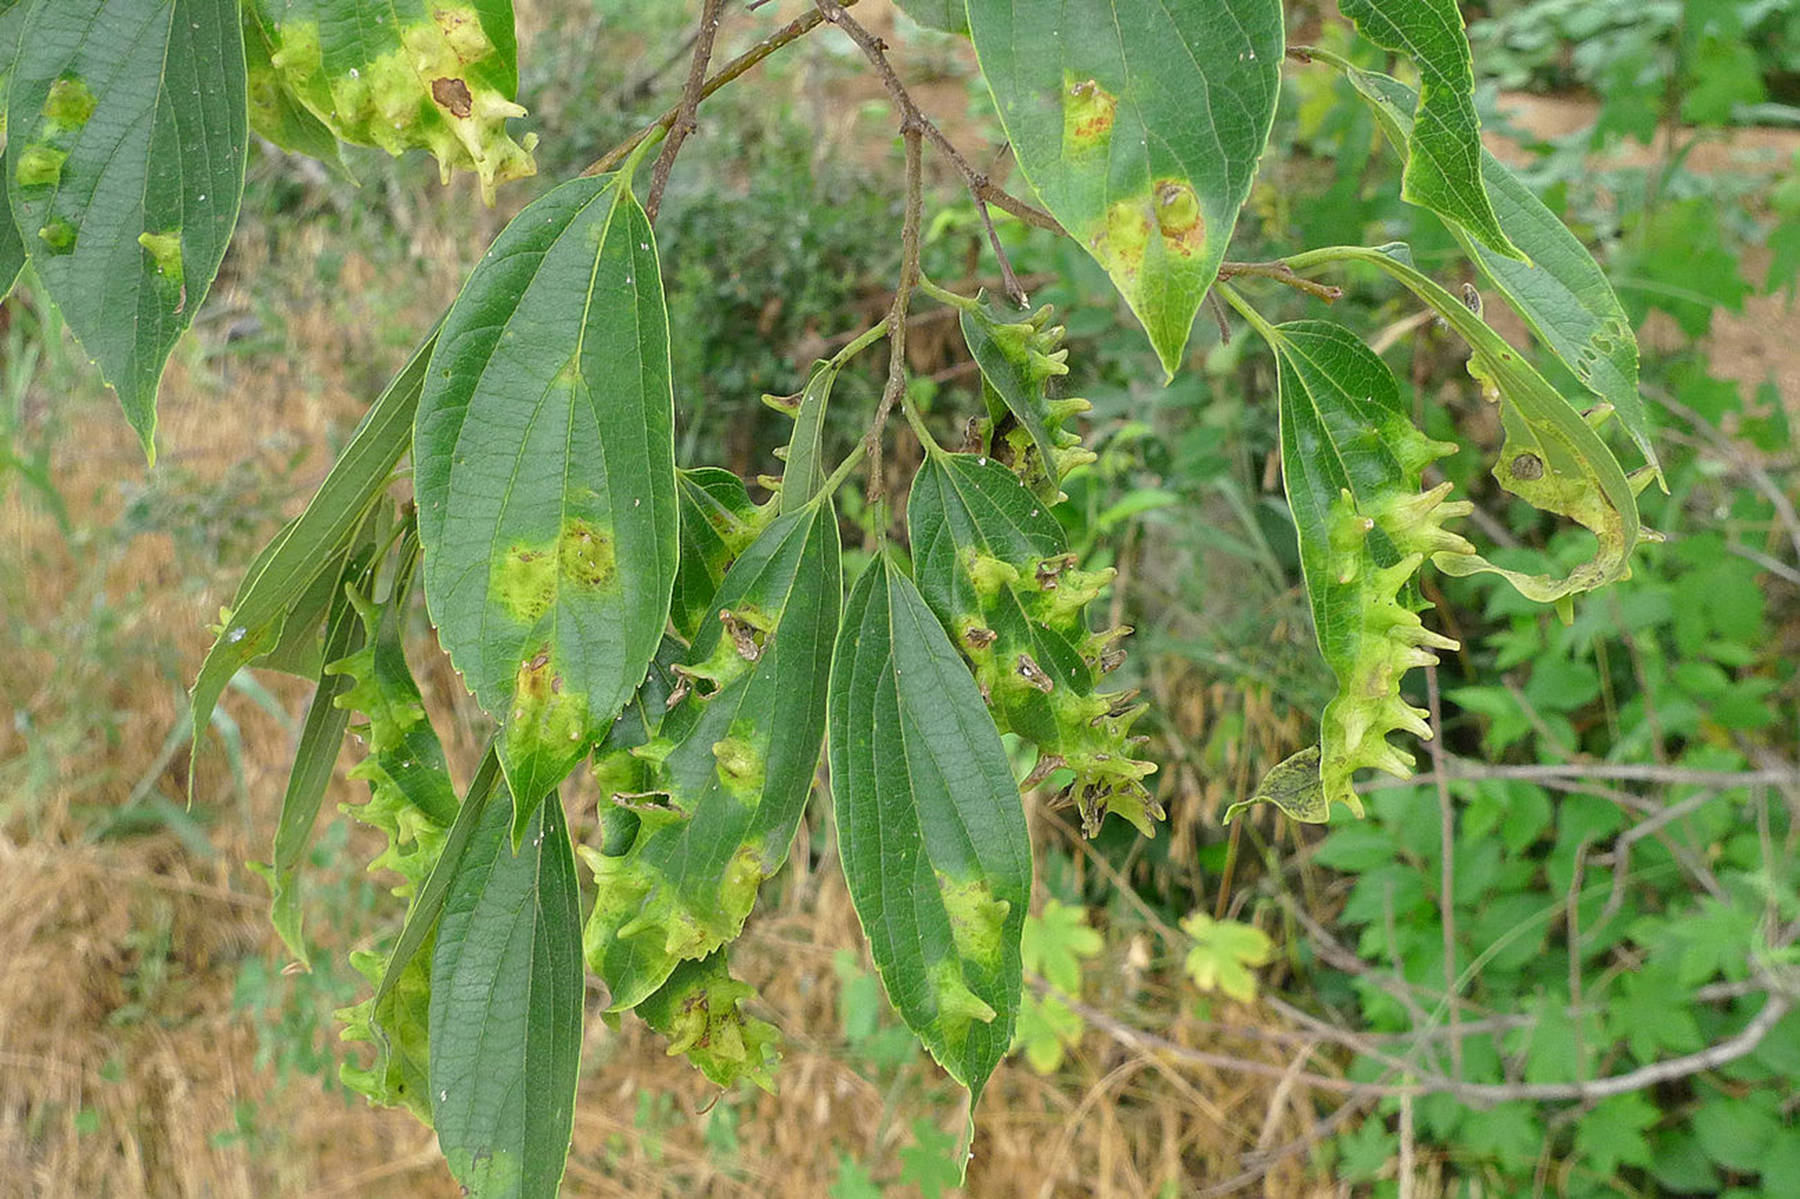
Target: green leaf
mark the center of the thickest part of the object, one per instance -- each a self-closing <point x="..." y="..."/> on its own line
<point x="804" y="472"/>
<point x="313" y="543"/>
<point x="412" y="802"/>
<point x="717" y="522"/>
<point x="996" y="569"/>
<point x="1551" y="458"/>
<point x="315" y="757"/>
<point x="1140" y="125"/>
<point x="1561" y="291"/>
<point x="124" y="167"/>
<point x="1223" y="953"/>
<point x="1018" y="359"/>
<point x="396" y="1018"/>
<point x="1055" y="942"/>
<point x="12" y="250"/>
<point x="506" y="1008"/>
<point x="699" y="1009"/>
<point x="933" y="1161"/>
<point x="930" y="827"/>
<point x="1443" y="159"/>
<point x="545" y="462"/>
<point x="1612" y="1133"/>
<point x="949" y="15"/>
<point x="731" y="768"/>
<point x="1351" y="462"/>
<point x="275" y="112"/>
<point x="404" y="74"/>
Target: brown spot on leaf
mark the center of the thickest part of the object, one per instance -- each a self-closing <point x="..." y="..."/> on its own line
<point x="1528" y="467"/>
<point x="453" y="94"/>
<point x="746" y="637"/>
<point x="1050" y="569"/>
<point x="1034" y="674"/>
<point x="978" y="638"/>
<point x="1088" y="112"/>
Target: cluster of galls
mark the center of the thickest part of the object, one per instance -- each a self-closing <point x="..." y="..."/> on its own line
<point x="1387" y="637"/>
<point x="1038" y="667"/>
<point x="428" y="89"/>
<point x="395" y="730"/>
<point x="1034" y="349"/>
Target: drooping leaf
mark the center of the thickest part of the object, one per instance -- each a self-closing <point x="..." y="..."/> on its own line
<point x="275" y="112"/>
<point x="124" y="167"/>
<point x="1140" y="124"/>
<point x="995" y="567"/>
<point x="545" y="473"/>
<point x="1561" y="291"/>
<point x="1443" y="157"/>
<point x="930" y="827"/>
<point x="949" y="15"/>
<point x="506" y="1008"/>
<point x="321" y="736"/>
<point x="314" y="543"/>
<point x="1551" y="457"/>
<point x="405" y="74"/>
<point x="412" y="801"/>
<point x="731" y="766"/>
<point x="699" y="1010"/>
<point x="1018" y="360"/>
<point x="1351" y="461"/>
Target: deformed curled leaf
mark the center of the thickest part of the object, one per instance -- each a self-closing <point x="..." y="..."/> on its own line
<point x="995" y="567"/>
<point x="314" y="544"/>
<point x="700" y="1010"/>
<point x="398" y="74"/>
<point x="412" y="801"/>
<point x="1552" y="457"/>
<point x="930" y="827"/>
<point x="1561" y="291"/>
<point x="1351" y="462"/>
<point x="544" y="452"/>
<point x="1019" y="359"/>
<point x="1140" y="124"/>
<point x="715" y="797"/>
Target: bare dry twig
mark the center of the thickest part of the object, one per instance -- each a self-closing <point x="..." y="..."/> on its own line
<point x="710" y="13"/>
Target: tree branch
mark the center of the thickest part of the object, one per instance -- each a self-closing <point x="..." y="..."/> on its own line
<point x="895" y="390"/>
<point x="685" y="124"/>
<point x="980" y="187"/>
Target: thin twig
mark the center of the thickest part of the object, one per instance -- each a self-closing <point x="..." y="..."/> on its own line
<point x="1783" y="775"/>
<point x="1621" y="854"/>
<point x="793" y="31"/>
<point x="685" y="124"/>
<point x="909" y="279"/>
<point x="981" y="188"/>
<point x="1740" y="1045"/>
<point x="1281" y="272"/>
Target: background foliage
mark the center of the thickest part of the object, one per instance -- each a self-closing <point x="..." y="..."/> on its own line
<point x="154" y="1042"/>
